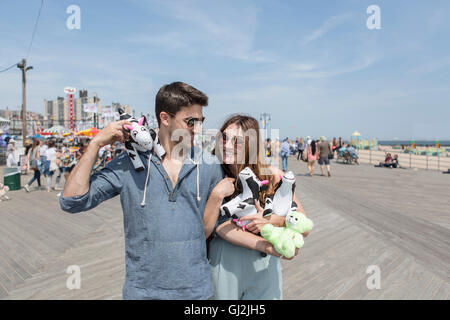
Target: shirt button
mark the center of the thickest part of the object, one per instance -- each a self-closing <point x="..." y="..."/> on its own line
<point x="158" y="162"/>
<point x="167" y="178"/>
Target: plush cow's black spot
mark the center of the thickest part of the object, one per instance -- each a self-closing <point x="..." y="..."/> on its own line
<point x="227" y="212"/>
<point x="241" y="206"/>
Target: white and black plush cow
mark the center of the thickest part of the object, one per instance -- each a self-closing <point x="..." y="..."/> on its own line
<point x="244" y="203"/>
<point x="141" y="139"/>
<point x="282" y="202"/>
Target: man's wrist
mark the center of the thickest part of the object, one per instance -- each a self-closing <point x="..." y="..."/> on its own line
<point x="94" y="145"/>
<point x="217" y="196"/>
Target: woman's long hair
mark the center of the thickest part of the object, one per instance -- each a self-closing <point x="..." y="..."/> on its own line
<point x="35" y="144"/>
<point x="259" y="167"/>
<point x="313" y="147"/>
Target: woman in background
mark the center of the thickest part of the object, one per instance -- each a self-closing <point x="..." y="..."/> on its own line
<point x="33" y="157"/>
<point x="312" y="156"/>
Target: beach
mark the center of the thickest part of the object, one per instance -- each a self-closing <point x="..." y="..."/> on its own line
<point x="393" y="219"/>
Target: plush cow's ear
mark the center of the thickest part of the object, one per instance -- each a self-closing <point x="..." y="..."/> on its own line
<point x="142" y="120"/>
<point x="128" y="127"/>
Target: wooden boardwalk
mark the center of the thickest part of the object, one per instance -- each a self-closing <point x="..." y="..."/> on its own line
<point x="398" y="220"/>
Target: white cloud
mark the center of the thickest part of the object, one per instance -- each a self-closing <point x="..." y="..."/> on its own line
<point x="213" y="27"/>
<point x="326" y="27"/>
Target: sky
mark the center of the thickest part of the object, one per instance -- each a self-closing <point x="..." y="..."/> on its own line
<point x="314" y="66"/>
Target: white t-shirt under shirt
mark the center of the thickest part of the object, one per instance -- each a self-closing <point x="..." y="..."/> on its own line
<point x="50" y="154"/>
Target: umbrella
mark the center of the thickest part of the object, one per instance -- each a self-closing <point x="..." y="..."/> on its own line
<point x="57" y="130"/>
<point x="88" y="132"/>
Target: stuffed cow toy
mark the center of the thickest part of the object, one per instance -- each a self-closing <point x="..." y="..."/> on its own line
<point x="244" y="203"/>
<point x="141" y="139"/>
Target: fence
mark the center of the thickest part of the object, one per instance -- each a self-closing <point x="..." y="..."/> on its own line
<point x="408" y="160"/>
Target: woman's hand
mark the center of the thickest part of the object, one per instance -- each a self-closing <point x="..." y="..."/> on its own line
<point x="224" y="188"/>
<point x="257" y="219"/>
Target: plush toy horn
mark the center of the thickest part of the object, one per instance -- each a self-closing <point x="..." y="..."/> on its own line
<point x="141" y="120"/>
<point x="128" y="127"/>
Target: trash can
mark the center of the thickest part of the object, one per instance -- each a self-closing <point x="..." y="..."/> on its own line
<point x="11" y="178"/>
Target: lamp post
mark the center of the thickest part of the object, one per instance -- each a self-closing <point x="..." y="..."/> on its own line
<point x="24" y="68"/>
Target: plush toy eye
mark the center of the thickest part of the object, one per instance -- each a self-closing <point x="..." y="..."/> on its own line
<point x="134" y="133"/>
<point x="142" y="128"/>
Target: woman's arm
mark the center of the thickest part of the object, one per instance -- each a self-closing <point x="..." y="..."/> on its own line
<point x="230" y="232"/>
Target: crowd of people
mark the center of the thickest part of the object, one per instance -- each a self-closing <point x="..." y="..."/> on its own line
<point x="54" y="159"/>
<point x="310" y="151"/>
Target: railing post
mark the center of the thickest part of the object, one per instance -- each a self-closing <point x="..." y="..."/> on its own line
<point x="427" y="160"/>
<point x="439" y="162"/>
<point x="410" y="160"/>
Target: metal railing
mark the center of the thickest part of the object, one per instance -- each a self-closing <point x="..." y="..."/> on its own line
<point x="408" y="160"/>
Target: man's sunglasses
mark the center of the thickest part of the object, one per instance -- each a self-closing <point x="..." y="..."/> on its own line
<point x="190" y="122"/>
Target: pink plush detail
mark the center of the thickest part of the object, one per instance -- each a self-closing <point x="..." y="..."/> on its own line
<point x="128" y="127"/>
<point x="141" y="121"/>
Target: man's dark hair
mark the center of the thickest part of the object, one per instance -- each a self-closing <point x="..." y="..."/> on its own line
<point x="172" y="97"/>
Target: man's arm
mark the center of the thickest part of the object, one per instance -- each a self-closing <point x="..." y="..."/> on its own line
<point x="78" y="181"/>
<point x="84" y="191"/>
<point x="222" y="190"/>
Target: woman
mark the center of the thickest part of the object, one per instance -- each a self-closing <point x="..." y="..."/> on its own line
<point x="243" y="264"/>
<point x="301" y="147"/>
<point x="50" y="164"/>
<point x="33" y="157"/>
<point x="312" y="156"/>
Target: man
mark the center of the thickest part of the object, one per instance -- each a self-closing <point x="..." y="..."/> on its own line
<point x="285" y="151"/>
<point x="324" y="153"/>
<point x="162" y="205"/>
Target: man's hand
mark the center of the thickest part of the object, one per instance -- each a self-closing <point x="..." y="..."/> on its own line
<point x="111" y="133"/>
<point x="224" y="188"/>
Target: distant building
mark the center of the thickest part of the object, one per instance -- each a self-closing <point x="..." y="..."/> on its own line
<point x="56" y="112"/>
<point x="109" y="113"/>
<point x="34" y="120"/>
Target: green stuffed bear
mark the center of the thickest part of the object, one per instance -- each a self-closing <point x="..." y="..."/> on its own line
<point x="286" y="239"/>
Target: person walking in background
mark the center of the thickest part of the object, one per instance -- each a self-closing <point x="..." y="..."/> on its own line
<point x="340" y="143"/>
<point x="33" y="157"/>
<point x="50" y="164"/>
<point x="42" y="149"/>
<point x="324" y="155"/>
<point x="301" y="147"/>
<point x="268" y="148"/>
<point x="285" y="151"/>
<point x="312" y="156"/>
<point x="61" y="162"/>
<point x="334" y="146"/>
<point x="10" y="149"/>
